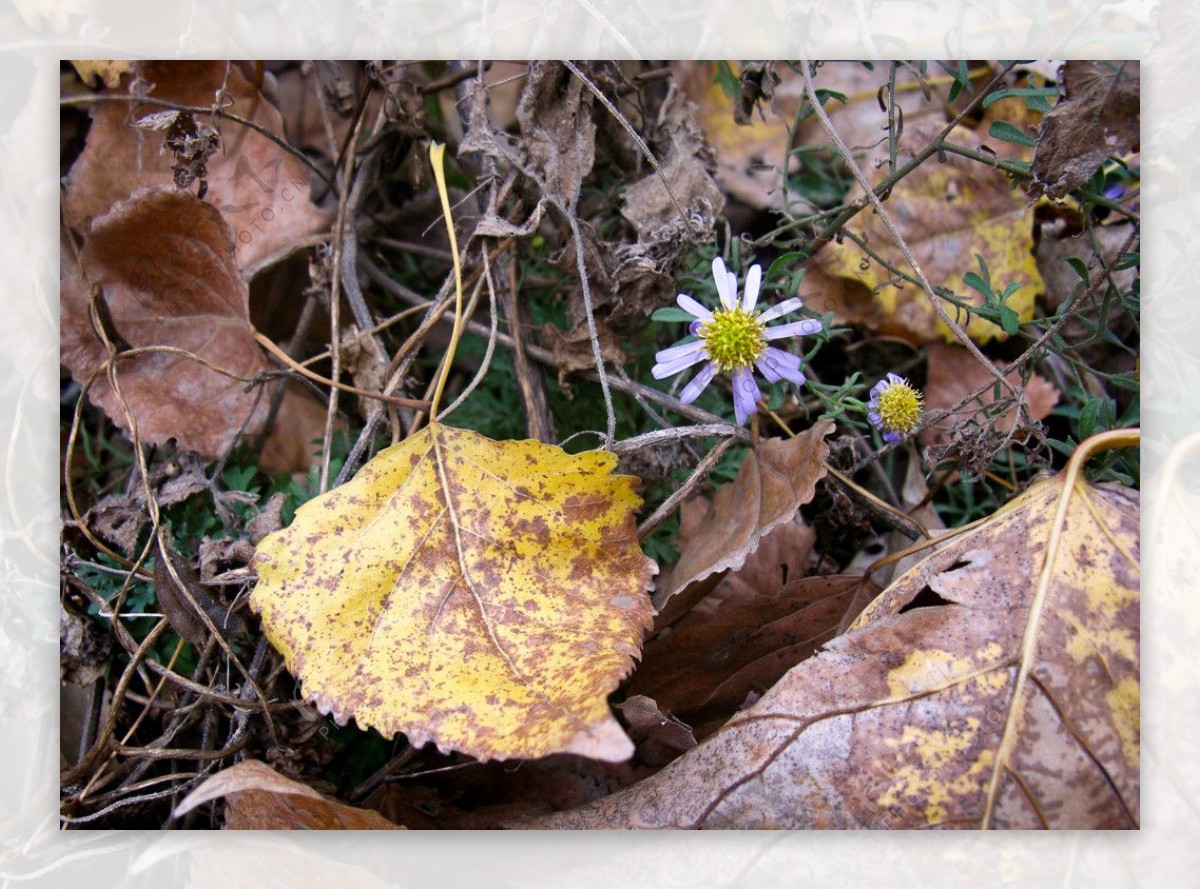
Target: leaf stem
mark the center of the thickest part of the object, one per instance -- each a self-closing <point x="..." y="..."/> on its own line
<point x="437" y="151"/>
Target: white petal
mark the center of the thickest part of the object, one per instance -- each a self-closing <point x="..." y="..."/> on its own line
<point x="667" y="369"/>
<point x="783" y="308"/>
<point x="753" y="282"/>
<point x="692" y="391"/>
<point x="793" y="329"/>
<point x="687" y="304"/>
<point x="672" y="353"/>
<point x="726" y="289"/>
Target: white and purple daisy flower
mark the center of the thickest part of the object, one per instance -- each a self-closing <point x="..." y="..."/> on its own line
<point x="894" y="408"/>
<point x="734" y="337"/>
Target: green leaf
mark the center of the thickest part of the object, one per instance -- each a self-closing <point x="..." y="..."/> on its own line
<point x="1009" y="320"/>
<point x="1008" y="133"/>
<point x="1035" y="97"/>
<point x="672" y="313"/>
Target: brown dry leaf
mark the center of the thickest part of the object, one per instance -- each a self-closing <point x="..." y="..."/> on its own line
<point x="1098" y="115"/>
<point x="648" y="725"/>
<point x="953" y="374"/>
<point x="910" y="720"/>
<point x="686" y="168"/>
<point x="259" y="799"/>
<point x="573" y="349"/>
<point x="711" y="663"/>
<point x="947" y="213"/>
<point x="262" y="190"/>
<point x="558" y="133"/>
<point x="775" y="479"/>
<point x="164" y="261"/>
<point x="485" y="596"/>
<point x="781" y="556"/>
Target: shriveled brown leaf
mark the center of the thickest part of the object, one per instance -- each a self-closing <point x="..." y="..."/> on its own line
<point x="912" y="718"/>
<point x="557" y="130"/>
<point x="1098" y="115"/>
<point x="573" y="349"/>
<point x="946" y="213"/>
<point x="164" y="263"/>
<point x="953" y="374"/>
<point x="257" y="799"/>
<point x="261" y="189"/>
<point x="774" y="480"/>
<point x="686" y="169"/>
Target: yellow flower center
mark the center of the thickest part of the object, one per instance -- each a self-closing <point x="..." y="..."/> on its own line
<point x="900" y="407"/>
<point x="733" y="339"/>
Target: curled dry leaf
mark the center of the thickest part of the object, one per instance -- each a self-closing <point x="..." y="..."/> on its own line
<point x="912" y="719"/>
<point x="1098" y="115"/>
<point x="947" y="213"/>
<point x="261" y="188"/>
<point x="774" y="480"/>
<point x="259" y="798"/>
<point x="486" y="596"/>
<point x="164" y="266"/>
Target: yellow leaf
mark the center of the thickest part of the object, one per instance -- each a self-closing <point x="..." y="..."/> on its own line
<point x="486" y="596"/>
<point x="946" y="213"/>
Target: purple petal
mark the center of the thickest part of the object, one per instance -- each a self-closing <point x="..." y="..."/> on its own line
<point x="697" y="310"/>
<point x="753" y="282"/>
<point x="787" y="306"/>
<point x="696" y="386"/>
<point x="675" y="365"/>
<point x="793" y="329"/>
<point x="775" y="364"/>
<point x="725" y="289"/>
<point x="745" y="395"/>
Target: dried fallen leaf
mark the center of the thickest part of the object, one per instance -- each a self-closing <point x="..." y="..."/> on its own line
<point x="486" y="596"/>
<point x="947" y="213"/>
<point x="711" y="663"/>
<point x="573" y="349"/>
<point x="164" y="263"/>
<point x="259" y="798"/>
<point x="953" y="374"/>
<point x="911" y="719"/>
<point x="774" y="480"/>
<point x="262" y="189"/>
<point x="1098" y="115"/>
